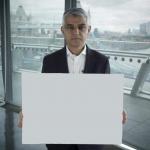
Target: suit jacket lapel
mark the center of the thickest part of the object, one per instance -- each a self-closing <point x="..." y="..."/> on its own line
<point x="63" y="61"/>
<point x="89" y="62"/>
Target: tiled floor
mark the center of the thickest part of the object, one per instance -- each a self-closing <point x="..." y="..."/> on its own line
<point x="10" y="134"/>
<point x="136" y="131"/>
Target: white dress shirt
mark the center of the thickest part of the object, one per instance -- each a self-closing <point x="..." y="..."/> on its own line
<point x="76" y="63"/>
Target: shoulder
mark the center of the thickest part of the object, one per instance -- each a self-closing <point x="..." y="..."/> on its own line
<point x="53" y="60"/>
<point x="54" y="55"/>
<point x="96" y="54"/>
<point x="100" y="61"/>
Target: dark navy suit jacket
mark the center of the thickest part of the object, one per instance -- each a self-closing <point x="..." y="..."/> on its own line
<point x="57" y="63"/>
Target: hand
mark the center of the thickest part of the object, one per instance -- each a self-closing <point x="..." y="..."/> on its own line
<point x="20" y="121"/>
<point x="124" y="117"/>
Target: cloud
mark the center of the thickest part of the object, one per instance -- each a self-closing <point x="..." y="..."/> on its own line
<point x="118" y="15"/>
<point x="35" y="6"/>
<point x="42" y="10"/>
<point x="105" y="3"/>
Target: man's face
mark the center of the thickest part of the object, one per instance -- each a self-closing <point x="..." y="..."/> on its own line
<point x="75" y="31"/>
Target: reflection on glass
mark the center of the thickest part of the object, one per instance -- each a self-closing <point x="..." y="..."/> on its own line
<point x="118" y="33"/>
<point x="35" y="32"/>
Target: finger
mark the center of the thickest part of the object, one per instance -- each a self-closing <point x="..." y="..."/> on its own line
<point x="20" y="120"/>
<point x="124" y="117"/>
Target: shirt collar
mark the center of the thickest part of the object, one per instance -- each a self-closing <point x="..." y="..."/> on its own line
<point x="70" y="54"/>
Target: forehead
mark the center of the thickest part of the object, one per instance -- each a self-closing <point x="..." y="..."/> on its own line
<point x="75" y="20"/>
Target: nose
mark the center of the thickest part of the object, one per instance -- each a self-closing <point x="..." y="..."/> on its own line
<point x="76" y="31"/>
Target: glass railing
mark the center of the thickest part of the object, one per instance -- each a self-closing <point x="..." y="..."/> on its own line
<point x="28" y="57"/>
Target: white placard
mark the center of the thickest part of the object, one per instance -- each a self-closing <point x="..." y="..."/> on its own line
<point x="72" y="108"/>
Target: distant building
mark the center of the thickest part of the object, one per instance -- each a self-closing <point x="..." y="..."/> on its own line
<point x="21" y="16"/>
<point x="145" y="28"/>
<point x="79" y="4"/>
<point x="148" y="28"/>
<point x="88" y="12"/>
<point x="23" y="25"/>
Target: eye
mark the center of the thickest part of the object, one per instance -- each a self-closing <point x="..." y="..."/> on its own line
<point x="69" y="27"/>
<point x="81" y="27"/>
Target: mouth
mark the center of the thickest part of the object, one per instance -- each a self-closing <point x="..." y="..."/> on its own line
<point x="76" y="39"/>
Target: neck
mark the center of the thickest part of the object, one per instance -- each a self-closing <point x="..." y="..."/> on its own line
<point x="75" y="50"/>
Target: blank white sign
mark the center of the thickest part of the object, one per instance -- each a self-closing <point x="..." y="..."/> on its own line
<point x="72" y="108"/>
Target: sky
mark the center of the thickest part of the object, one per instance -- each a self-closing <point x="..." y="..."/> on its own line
<point x="118" y="15"/>
<point x="113" y="15"/>
<point x="45" y="11"/>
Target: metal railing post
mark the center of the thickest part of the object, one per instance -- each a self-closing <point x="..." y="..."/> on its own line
<point x="141" y="77"/>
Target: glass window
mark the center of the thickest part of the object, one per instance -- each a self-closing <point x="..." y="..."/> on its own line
<point x="146" y="86"/>
<point x="121" y="30"/>
<point x="35" y="32"/>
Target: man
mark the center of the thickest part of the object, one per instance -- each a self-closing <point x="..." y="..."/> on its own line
<point x="76" y="57"/>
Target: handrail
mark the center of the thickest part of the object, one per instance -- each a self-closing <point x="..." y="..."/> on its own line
<point x="125" y="54"/>
<point x="107" y="52"/>
<point x="89" y="39"/>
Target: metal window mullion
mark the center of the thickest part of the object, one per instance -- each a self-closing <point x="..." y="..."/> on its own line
<point x="141" y="78"/>
<point x="70" y="4"/>
<point x="3" y="45"/>
<point x="6" y="50"/>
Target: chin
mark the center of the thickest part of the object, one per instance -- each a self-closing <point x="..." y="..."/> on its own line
<point x="77" y="44"/>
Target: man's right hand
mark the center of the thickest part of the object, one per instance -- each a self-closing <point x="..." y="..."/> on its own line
<point x="20" y="121"/>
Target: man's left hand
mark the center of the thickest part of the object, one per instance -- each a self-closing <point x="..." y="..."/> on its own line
<point x="124" y="117"/>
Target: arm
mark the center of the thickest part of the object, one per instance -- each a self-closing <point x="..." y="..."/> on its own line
<point x="124" y="117"/>
<point x="107" y="68"/>
<point x="20" y="120"/>
<point x="124" y="113"/>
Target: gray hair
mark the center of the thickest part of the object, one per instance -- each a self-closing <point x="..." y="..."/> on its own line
<point x="76" y="12"/>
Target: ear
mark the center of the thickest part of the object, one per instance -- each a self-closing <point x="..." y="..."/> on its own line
<point x="89" y="29"/>
<point x="62" y="29"/>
